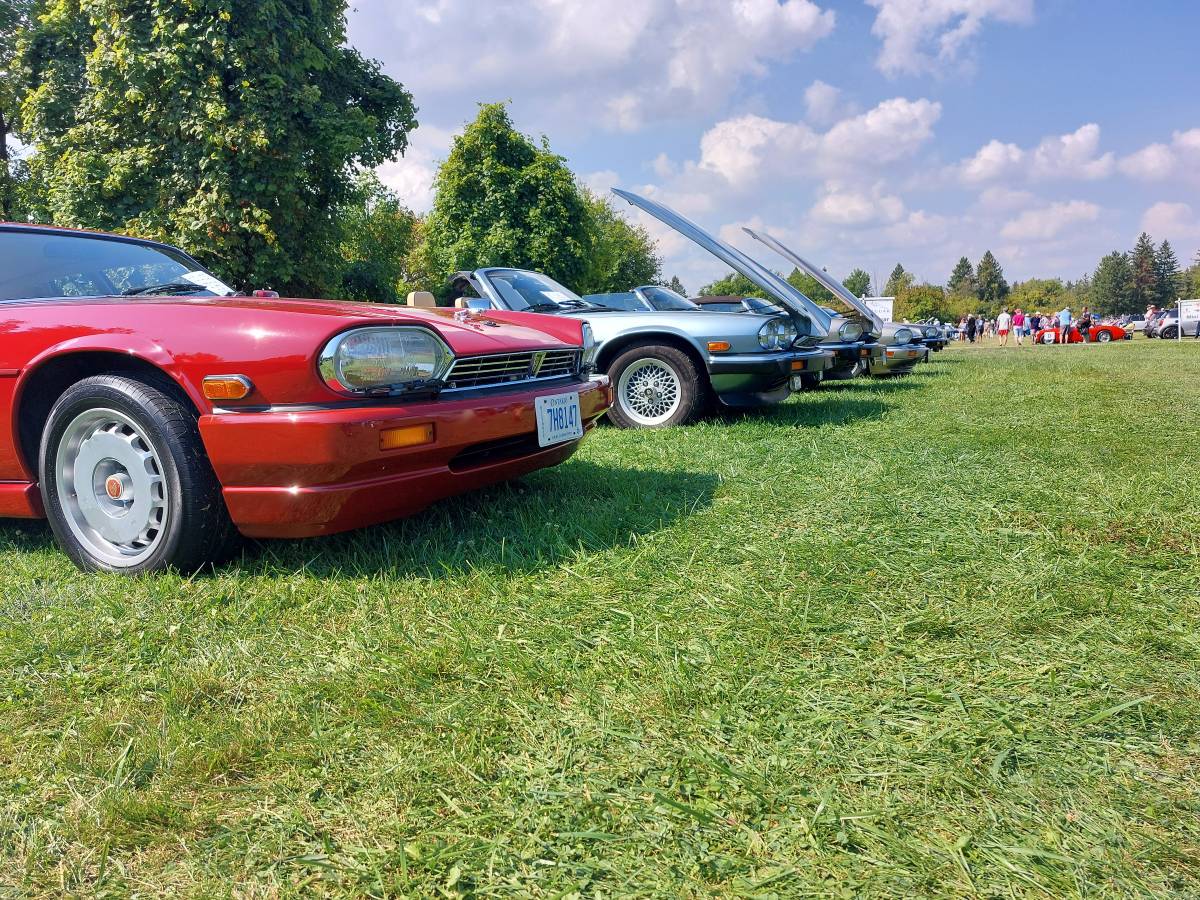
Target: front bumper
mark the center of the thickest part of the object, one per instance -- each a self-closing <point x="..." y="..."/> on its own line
<point x="755" y="379"/>
<point x="305" y="471"/>
<point x="900" y="360"/>
<point x="850" y="356"/>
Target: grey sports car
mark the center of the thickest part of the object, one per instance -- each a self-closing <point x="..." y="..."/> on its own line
<point x="664" y="366"/>
<point x="646" y="297"/>
<point x="902" y="347"/>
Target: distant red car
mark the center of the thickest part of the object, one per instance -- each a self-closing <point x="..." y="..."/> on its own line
<point x="148" y="412"/>
<point x="1099" y="334"/>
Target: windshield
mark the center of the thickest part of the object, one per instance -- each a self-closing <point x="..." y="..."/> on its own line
<point x="37" y="265"/>
<point x="665" y="299"/>
<point x="626" y="300"/>
<point x="522" y="290"/>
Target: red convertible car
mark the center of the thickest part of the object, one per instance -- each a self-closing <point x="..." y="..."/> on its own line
<point x="149" y="413"/>
<point x="1097" y="334"/>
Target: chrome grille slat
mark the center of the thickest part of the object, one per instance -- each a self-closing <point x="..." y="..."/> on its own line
<point x="510" y="368"/>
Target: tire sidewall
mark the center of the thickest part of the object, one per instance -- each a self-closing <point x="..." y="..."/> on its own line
<point x="118" y="394"/>
<point x="691" y="388"/>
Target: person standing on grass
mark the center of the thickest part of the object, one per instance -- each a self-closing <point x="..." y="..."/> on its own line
<point x="1064" y="324"/>
<point x="1003" y="326"/>
<point x="1018" y="325"/>
<point x="971" y="329"/>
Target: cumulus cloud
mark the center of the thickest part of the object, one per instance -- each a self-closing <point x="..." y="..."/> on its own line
<point x="631" y="62"/>
<point x="1067" y="156"/>
<point x="1049" y="222"/>
<point x="822" y="102"/>
<point x="1173" y="221"/>
<point x="748" y="147"/>
<point x="1157" y="162"/>
<point x="841" y="205"/>
<point x="411" y="176"/>
<point x="927" y="35"/>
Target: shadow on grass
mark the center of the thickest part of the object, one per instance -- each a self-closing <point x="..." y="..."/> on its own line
<point x="522" y="525"/>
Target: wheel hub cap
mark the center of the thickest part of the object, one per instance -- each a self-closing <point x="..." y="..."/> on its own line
<point x="650" y="391"/>
<point x="111" y="487"/>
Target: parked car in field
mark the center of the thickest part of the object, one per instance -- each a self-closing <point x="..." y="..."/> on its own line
<point x="899" y="349"/>
<point x="150" y="412"/>
<point x="1097" y="334"/>
<point x="1167" y="325"/>
<point x="665" y="366"/>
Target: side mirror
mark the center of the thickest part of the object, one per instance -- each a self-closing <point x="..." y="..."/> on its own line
<point x="478" y="304"/>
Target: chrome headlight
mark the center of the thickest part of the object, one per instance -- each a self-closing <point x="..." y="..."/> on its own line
<point x="850" y="331"/>
<point x="367" y="359"/>
<point x="777" y="334"/>
<point x="589" y="346"/>
<point x="903" y="336"/>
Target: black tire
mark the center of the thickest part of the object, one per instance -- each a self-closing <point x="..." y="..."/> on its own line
<point x="194" y="529"/>
<point x="1169" y="333"/>
<point x="1103" y="337"/>
<point x="692" y="387"/>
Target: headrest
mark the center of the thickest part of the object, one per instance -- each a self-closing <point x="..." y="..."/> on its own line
<point x="421" y="299"/>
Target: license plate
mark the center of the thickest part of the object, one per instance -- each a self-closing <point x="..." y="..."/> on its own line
<point x="558" y="419"/>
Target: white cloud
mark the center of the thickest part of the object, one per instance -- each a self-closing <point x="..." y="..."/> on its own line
<point x="1002" y="199"/>
<point x="1157" y="162"/>
<point x="846" y="206"/>
<point x="822" y="102"/>
<point x="411" y="176"/>
<point x="1049" y="222"/>
<point x="1172" y="221"/>
<point x="746" y="148"/>
<point x="929" y="35"/>
<point x="1067" y="156"/>
<point x="631" y="62"/>
<point x="600" y="183"/>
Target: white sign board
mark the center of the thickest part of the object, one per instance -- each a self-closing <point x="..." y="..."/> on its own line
<point x="881" y="306"/>
<point x="1189" y="310"/>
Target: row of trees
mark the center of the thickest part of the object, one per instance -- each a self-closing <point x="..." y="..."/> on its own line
<point x="245" y="132"/>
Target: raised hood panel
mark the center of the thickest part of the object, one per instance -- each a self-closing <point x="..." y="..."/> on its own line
<point x="828" y="281"/>
<point x="812" y="320"/>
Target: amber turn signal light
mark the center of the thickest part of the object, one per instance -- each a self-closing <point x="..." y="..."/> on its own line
<point x="718" y="346"/>
<point x="798" y="365"/>
<point x="227" y="387"/>
<point x="864" y="352"/>
<point x="407" y="436"/>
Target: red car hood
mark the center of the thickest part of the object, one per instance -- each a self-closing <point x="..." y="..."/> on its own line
<point x="476" y="334"/>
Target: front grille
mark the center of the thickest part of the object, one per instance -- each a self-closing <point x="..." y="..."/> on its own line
<point x="511" y="368"/>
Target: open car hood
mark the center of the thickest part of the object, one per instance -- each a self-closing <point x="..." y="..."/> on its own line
<point x="814" y="323"/>
<point x="824" y="278"/>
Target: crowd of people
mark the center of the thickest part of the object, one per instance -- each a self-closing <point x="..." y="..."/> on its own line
<point x="1019" y="324"/>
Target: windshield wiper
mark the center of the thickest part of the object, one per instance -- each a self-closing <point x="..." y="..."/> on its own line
<point x="170" y="287"/>
<point x="542" y="307"/>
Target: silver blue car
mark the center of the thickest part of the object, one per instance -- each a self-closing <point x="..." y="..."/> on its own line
<point x="666" y="367"/>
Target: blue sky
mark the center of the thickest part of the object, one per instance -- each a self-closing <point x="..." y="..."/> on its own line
<point x="863" y="133"/>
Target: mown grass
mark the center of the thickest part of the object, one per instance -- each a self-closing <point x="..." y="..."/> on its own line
<point x="935" y="636"/>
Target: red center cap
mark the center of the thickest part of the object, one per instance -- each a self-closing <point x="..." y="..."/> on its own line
<point x="114" y="487"/>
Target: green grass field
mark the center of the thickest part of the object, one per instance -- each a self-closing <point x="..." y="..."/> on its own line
<point x="933" y="636"/>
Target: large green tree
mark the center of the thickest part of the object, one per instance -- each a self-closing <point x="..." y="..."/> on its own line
<point x="504" y="200"/>
<point x="1112" y="285"/>
<point x="962" y="279"/>
<point x="232" y="127"/>
<point x="1170" y="277"/>
<point x="915" y="302"/>
<point x="14" y="17"/>
<point x="732" y="285"/>
<point x="810" y="287"/>
<point x="677" y="286"/>
<point x="622" y="255"/>
<point x="991" y="288"/>
<point x="1144" y="262"/>
<point x="898" y="281"/>
<point x="858" y="283"/>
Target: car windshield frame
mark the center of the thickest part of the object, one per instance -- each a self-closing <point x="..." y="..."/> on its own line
<point x="681" y="303"/>
<point x="96" y="277"/>
<point x="629" y="301"/>
<point x="509" y="295"/>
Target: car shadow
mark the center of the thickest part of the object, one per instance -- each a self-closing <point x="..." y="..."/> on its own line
<point x="522" y="525"/>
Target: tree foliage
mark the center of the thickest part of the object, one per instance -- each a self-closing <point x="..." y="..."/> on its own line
<point x="677" y="286"/>
<point x="1037" y="294"/>
<point x="14" y="17"/>
<point x="915" y="302"/>
<point x="1112" y="285"/>
<point x="811" y="288"/>
<point x="622" y="255"/>
<point x="230" y="127"/>
<point x="1144" y="263"/>
<point x="898" y="281"/>
<point x="503" y="200"/>
<point x="991" y="288"/>
<point x="733" y="285"/>
<point x="962" y="279"/>
<point x="858" y="283"/>
<point x="1170" y="278"/>
<point x="377" y="234"/>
